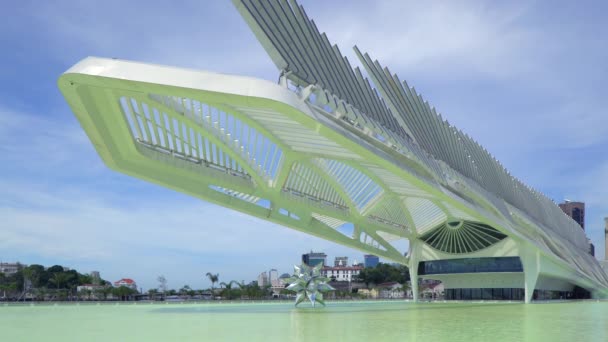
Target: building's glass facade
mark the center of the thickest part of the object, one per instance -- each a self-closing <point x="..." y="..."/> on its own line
<point x="486" y="294"/>
<point x="508" y="294"/>
<point x="313" y="259"/>
<point x="470" y="265"/>
<point x="371" y="260"/>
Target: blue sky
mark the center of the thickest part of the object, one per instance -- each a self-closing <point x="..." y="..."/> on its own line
<point x="525" y="79"/>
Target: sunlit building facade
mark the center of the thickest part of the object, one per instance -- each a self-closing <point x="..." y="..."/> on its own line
<point x="576" y="210"/>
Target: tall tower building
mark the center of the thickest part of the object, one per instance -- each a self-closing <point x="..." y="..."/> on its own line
<point x="371" y="260"/>
<point x="576" y="210"/>
<point x="273" y="277"/>
<point x="263" y="279"/>
<point x="606" y="238"/>
<point x="313" y="259"/>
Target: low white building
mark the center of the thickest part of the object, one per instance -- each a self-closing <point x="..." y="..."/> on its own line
<point x="10" y="267"/>
<point x="91" y="290"/>
<point x="390" y="290"/>
<point x="88" y="287"/>
<point x="433" y="291"/>
<point x="341" y="273"/>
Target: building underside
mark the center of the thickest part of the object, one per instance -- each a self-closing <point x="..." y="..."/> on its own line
<point x="325" y="153"/>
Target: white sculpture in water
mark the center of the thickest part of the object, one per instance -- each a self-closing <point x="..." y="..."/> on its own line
<point x="308" y="282"/>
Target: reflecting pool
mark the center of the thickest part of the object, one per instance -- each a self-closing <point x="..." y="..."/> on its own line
<point x="345" y="321"/>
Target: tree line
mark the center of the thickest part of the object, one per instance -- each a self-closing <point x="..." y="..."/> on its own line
<point x="35" y="282"/>
<point x="384" y="273"/>
<point x="227" y="290"/>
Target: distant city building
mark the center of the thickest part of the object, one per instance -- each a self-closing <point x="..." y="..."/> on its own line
<point x="341" y="261"/>
<point x="341" y="273"/>
<point x="126" y="282"/>
<point x="263" y="279"/>
<point x="283" y="277"/>
<point x="273" y="278"/>
<point x="10" y="267"/>
<point x="357" y="263"/>
<point x="576" y="210"/>
<point x="370" y="260"/>
<point x="276" y="284"/>
<point x="313" y="259"/>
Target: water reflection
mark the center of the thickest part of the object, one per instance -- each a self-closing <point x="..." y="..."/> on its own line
<point x="405" y="322"/>
<point x="454" y="322"/>
<point x="575" y="321"/>
<point x="364" y="321"/>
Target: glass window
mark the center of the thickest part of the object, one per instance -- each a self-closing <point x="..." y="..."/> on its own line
<point x="476" y="294"/>
<point x="470" y="265"/>
<point x="486" y="294"/>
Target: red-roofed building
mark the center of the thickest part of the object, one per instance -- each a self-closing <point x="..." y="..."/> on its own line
<point x="126" y="282"/>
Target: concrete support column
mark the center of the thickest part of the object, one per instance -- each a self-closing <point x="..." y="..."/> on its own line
<point x="413" y="267"/>
<point x="530" y="260"/>
<point x="414" y="280"/>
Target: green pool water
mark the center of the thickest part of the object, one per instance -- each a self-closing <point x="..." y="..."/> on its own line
<point x="360" y="321"/>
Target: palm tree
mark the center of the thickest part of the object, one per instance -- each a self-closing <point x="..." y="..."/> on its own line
<point x="60" y="279"/>
<point x="229" y="285"/>
<point x="228" y="292"/>
<point x="40" y="293"/>
<point x="185" y="290"/>
<point x="105" y="291"/>
<point x="213" y="278"/>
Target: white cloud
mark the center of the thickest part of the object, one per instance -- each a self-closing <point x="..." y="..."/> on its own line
<point x="41" y="142"/>
<point x="463" y="37"/>
<point x="206" y="35"/>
